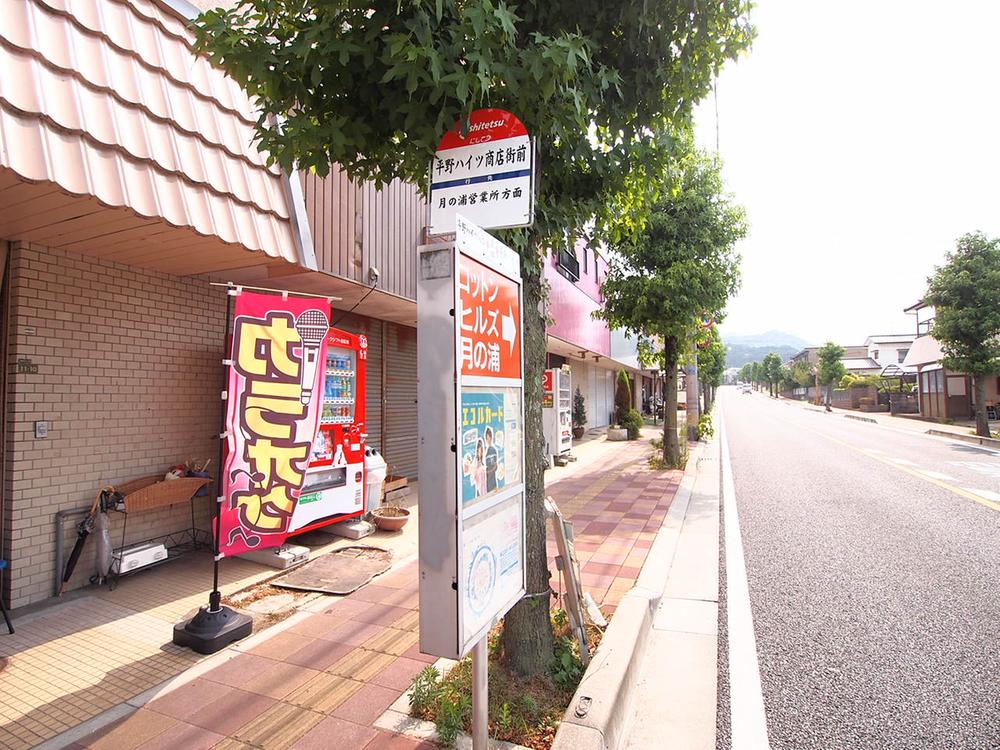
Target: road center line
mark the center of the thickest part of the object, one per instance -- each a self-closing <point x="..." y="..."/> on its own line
<point x="748" y="723"/>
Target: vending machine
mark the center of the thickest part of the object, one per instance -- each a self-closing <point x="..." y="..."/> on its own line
<point x="334" y="488"/>
<point x="557" y="413"/>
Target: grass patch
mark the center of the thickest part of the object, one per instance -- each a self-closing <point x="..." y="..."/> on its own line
<point x="656" y="461"/>
<point x="524" y="711"/>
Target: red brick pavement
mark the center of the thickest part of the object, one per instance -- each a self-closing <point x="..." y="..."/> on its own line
<point x="325" y="680"/>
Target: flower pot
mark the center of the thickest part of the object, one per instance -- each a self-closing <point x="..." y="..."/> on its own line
<point x="578" y="432"/>
<point x="390" y="517"/>
<point x="616" y="434"/>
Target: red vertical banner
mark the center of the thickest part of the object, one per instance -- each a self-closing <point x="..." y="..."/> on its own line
<point x="275" y="397"/>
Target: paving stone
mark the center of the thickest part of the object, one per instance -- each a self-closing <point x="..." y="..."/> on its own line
<point x="325" y="692"/>
<point x="279" y="728"/>
<point x="367" y="704"/>
<point x="336" y="733"/>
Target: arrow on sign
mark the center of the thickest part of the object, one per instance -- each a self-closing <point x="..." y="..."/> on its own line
<point x="507" y="330"/>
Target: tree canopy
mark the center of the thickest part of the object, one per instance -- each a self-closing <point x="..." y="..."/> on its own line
<point x="679" y="270"/>
<point x="965" y="292"/>
<point x="373" y="86"/>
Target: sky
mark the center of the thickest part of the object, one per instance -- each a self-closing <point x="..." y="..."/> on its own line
<point x="863" y="138"/>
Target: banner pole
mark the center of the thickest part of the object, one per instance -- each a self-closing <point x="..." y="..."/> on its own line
<point x="215" y="598"/>
<point x="216" y="626"/>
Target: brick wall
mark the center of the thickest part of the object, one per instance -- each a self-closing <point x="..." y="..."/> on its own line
<point x="129" y="378"/>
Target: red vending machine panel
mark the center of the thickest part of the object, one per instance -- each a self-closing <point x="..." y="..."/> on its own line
<point x="334" y="488"/>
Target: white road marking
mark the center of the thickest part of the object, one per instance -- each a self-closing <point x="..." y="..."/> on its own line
<point x="987" y="494"/>
<point x="989" y="468"/>
<point x="874" y="450"/>
<point x="901" y="461"/>
<point x="937" y="475"/>
<point x="748" y="723"/>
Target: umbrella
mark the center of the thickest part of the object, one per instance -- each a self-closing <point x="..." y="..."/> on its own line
<point x="83" y="530"/>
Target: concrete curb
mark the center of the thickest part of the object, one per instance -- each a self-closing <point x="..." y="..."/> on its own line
<point x="598" y="715"/>
<point x="974" y="439"/>
<point x="861" y="419"/>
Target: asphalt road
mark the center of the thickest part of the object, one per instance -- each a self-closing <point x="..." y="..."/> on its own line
<point x="873" y="563"/>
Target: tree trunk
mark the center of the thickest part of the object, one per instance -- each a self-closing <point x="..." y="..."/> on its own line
<point x="829" y="396"/>
<point x="982" y="422"/>
<point x="527" y="632"/>
<point x="671" y="443"/>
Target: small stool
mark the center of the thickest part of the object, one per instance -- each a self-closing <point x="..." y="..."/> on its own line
<point x="3" y="607"/>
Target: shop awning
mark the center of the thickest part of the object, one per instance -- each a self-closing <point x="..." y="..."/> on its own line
<point x="925" y="350"/>
<point x="117" y="140"/>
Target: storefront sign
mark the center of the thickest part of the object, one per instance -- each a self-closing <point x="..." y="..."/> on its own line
<point x="273" y="407"/>
<point x="548" y="389"/>
<point x="471" y="412"/>
<point x="486" y="175"/>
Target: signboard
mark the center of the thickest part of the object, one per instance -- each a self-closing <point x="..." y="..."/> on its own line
<point x="471" y="451"/>
<point x="486" y="175"/>
<point x="274" y="399"/>
<point x="548" y="389"/>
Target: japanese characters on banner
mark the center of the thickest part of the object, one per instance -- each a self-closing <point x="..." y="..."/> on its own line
<point x="490" y="341"/>
<point x="486" y="175"/>
<point x="274" y="402"/>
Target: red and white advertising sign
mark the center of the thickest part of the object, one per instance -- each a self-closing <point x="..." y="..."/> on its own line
<point x="486" y="175"/>
<point x="275" y="397"/>
<point x="490" y="339"/>
<point x="547" y="377"/>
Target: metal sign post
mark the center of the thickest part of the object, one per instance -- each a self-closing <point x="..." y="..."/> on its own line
<point x="471" y="449"/>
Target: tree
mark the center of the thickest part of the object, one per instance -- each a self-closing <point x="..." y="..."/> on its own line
<point x="830" y="368"/>
<point x="802" y="373"/>
<point x="680" y="269"/>
<point x="771" y="367"/>
<point x="604" y="88"/>
<point x="965" y="293"/>
<point x="623" y="397"/>
<point x="711" y="364"/>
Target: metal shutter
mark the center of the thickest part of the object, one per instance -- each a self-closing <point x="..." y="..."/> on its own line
<point x="400" y="444"/>
<point x="373" y="396"/>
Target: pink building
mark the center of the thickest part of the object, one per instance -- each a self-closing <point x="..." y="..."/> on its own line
<point x="578" y="339"/>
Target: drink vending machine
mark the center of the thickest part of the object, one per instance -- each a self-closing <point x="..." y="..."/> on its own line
<point x="334" y="488"/>
<point x="342" y="471"/>
<point x="557" y="413"/>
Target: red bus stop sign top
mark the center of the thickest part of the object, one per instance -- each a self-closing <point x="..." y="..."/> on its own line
<point x="487" y="174"/>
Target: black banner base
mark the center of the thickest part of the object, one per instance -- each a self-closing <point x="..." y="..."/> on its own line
<point x="210" y="631"/>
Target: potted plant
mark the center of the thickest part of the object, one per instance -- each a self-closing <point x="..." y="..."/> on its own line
<point x="579" y="415"/>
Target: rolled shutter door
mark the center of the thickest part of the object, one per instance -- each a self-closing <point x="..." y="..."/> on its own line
<point x="400" y="440"/>
<point x="373" y="395"/>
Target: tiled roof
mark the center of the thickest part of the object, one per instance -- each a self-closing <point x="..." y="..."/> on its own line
<point x="106" y="99"/>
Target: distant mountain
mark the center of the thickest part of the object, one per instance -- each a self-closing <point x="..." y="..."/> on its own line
<point x="738" y="355"/>
<point x="770" y="338"/>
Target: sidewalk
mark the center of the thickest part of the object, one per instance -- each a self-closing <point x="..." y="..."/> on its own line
<point x="677" y="689"/>
<point x="910" y="423"/>
<point x="329" y="672"/>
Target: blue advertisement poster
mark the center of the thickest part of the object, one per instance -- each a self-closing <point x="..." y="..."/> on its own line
<point x="482" y="444"/>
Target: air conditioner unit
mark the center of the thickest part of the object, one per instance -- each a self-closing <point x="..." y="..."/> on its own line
<point x="129" y="559"/>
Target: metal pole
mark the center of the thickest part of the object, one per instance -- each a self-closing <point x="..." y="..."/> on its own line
<point x="215" y="598"/>
<point x="480" y="696"/>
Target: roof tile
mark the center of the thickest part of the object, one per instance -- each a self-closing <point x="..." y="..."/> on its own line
<point x="106" y="98"/>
